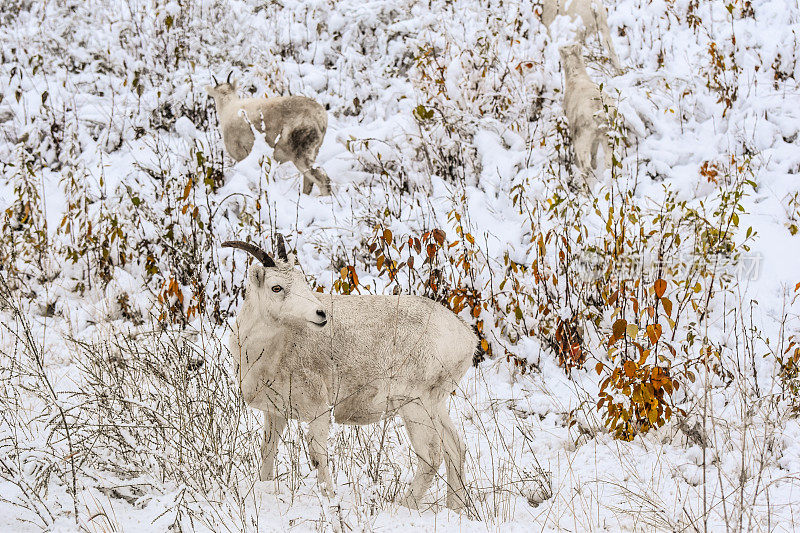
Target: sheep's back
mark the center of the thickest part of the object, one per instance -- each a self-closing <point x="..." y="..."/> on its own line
<point x="403" y="342"/>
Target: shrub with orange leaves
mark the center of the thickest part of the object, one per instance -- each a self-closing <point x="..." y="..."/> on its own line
<point x="637" y="395"/>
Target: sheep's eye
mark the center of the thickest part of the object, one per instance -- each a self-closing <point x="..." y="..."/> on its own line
<point x="277" y="288"/>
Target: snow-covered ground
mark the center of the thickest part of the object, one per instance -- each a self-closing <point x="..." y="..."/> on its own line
<point x="115" y="194"/>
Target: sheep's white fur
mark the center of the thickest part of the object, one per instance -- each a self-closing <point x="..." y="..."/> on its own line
<point x="583" y="106"/>
<point x="293" y="125"/>
<point x="591" y="13"/>
<point x="376" y="357"/>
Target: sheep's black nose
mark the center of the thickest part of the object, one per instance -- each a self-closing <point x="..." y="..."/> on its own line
<point x="321" y="314"/>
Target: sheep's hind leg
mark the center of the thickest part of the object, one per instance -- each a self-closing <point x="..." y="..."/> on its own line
<point x="313" y="175"/>
<point x="307" y="185"/>
<point x="317" y="437"/>
<point x="274" y="424"/>
<point x="322" y="179"/>
<point x="608" y="44"/>
<point x="455" y="452"/>
<point x="422" y="430"/>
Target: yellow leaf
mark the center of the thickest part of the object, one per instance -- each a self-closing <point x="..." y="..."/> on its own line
<point x="632" y="330"/>
<point x="667" y="303"/>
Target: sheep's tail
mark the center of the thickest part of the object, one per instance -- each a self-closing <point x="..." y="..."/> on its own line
<point x="480" y="354"/>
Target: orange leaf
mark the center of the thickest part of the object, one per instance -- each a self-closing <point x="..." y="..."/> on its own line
<point x="613" y="298"/>
<point x="661" y="287"/>
<point x="618" y="329"/>
<point x="599" y="368"/>
<point x="654" y="332"/>
<point x="387" y="235"/>
<point x="188" y="189"/>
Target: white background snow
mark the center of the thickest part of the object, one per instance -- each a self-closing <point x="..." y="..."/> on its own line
<point x="100" y="98"/>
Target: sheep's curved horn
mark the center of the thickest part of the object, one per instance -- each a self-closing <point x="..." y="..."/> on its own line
<point x="215" y="79"/>
<point x="281" y="248"/>
<point x="253" y="250"/>
<point x="229" y="77"/>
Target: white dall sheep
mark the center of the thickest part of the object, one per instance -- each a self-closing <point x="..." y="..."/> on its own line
<point x="583" y="106"/>
<point x="357" y="359"/>
<point x="591" y="13"/>
<point x="293" y="125"/>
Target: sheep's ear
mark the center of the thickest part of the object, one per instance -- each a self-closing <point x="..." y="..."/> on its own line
<point x="235" y="84"/>
<point x="291" y="259"/>
<point x="256" y="275"/>
<point x="211" y="90"/>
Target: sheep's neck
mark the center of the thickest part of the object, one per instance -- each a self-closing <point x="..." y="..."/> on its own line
<point x="263" y="339"/>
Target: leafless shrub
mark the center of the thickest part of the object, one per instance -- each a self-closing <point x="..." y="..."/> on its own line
<point x="25" y="383"/>
<point x="162" y="405"/>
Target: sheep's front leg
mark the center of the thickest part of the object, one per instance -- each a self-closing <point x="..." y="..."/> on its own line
<point x="318" y="430"/>
<point x="274" y="424"/>
<point x="582" y="145"/>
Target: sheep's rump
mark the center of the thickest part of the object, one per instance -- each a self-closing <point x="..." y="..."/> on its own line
<point x="302" y="140"/>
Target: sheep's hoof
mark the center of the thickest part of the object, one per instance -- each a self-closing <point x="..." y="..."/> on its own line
<point x="327" y="490"/>
<point x="409" y="501"/>
<point x="456" y="503"/>
<point x="266" y="474"/>
<point x="307" y="185"/>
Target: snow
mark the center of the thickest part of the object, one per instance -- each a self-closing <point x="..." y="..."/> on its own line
<point x="120" y="131"/>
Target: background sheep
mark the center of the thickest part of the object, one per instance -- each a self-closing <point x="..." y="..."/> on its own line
<point x="583" y="106"/>
<point x="293" y="125"/>
<point x="307" y="356"/>
<point x="593" y="15"/>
